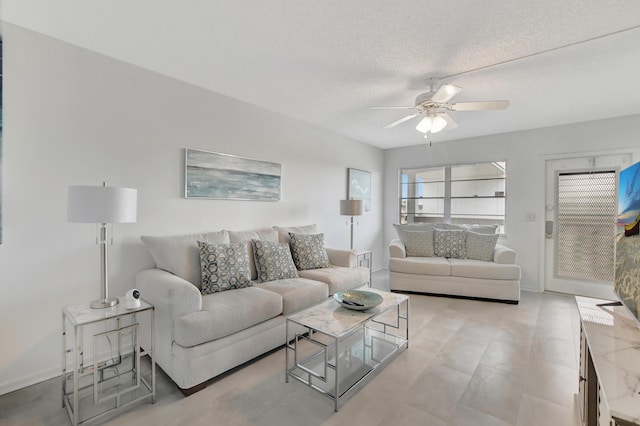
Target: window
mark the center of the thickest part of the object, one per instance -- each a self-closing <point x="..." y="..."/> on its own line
<point x="463" y="194"/>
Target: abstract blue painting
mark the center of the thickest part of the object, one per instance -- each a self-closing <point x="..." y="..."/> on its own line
<point x="359" y="187"/>
<point x="223" y="176"/>
<point x="627" y="281"/>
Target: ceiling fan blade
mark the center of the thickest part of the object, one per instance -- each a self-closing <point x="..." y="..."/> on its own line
<point x="451" y="123"/>
<point x="445" y="93"/>
<point x="392" y="107"/>
<point x="479" y="106"/>
<point x="402" y="120"/>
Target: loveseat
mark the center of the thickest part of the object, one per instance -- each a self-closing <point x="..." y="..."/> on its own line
<point x="221" y="297"/>
<point x="445" y="259"/>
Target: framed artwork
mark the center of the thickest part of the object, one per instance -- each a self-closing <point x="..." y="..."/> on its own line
<point x="359" y="186"/>
<point x="228" y="177"/>
<point x="627" y="277"/>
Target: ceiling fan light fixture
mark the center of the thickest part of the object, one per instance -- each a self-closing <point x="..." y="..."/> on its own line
<point x="424" y="125"/>
<point x="438" y="124"/>
<point x="431" y="123"/>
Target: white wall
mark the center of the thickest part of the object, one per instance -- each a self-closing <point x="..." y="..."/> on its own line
<point x="76" y="117"/>
<point x="526" y="153"/>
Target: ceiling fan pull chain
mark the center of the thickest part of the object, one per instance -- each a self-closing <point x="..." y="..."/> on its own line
<point x="427" y="135"/>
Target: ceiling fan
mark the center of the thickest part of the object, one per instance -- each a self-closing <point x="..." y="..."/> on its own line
<point x="434" y="106"/>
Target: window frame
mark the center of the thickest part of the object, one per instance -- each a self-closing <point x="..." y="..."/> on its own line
<point x="446" y="198"/>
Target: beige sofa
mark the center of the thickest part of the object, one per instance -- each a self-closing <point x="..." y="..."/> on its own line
<point x="497" y="277"/>
<point x="201" y="336"/>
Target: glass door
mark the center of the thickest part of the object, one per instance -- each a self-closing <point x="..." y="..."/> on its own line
<point x="581" y="206"/>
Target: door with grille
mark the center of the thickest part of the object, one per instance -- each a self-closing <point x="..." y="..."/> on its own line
<point x="580" y="224"/>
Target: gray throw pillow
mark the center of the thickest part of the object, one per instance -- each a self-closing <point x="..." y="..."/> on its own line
<point x="308" y="251"/>
<point x="283" y="231"/>
<point x="273" y="261"/>
<point x="450" y="243"/>
<point x="223" y="267"/>
<point x="445" y="225"/>
<point x="483" y="229"/>
<point x="481" y="246"/>
<point x="419" y="243"/>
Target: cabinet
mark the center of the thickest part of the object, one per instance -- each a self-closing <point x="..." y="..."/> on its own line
<point x="608" y="391"/>
<point x="101" y="368"/>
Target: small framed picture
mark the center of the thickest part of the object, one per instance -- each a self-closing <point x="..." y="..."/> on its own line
<point x="359" y="186"/>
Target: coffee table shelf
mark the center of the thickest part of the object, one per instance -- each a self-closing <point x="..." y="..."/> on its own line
<point x="335" y="350"/>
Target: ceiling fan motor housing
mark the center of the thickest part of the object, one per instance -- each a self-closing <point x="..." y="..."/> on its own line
<point x="424" y="102"/>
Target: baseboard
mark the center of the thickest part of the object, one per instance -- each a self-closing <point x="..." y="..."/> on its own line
<point x="23" y="382"/>
<point x="456" y="296"/>
<point x="13" y="385"/>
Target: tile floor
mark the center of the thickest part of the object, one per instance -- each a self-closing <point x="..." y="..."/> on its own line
<point x="469" y="363"/>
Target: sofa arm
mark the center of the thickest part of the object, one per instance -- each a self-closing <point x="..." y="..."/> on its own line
<point x="168" y="293"/>
<point x="397" y="249"/>
<point x="342" y="257"/>
<point x="504" y="255"/>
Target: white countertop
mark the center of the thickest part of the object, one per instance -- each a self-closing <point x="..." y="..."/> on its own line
<point x="613" y="335"/>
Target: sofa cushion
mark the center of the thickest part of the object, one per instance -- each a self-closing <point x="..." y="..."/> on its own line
<point x="481" y="246"/>
<point x="283" y="231"/>
<point x="402" y="229"/>
<point x="469" y="268"/>
<point x="308" y="251"/>
<point x="421" y="265"/>
<point x="179" y="254"/>
<point x="419" y="243"/>
<point x="338" y="278"/>
<point x="449" y="243"/>
<point x="273" y="261"/>
<point x="223" y="267"/>
<point x="297" y="293"/>
<point x="226" y="313"/>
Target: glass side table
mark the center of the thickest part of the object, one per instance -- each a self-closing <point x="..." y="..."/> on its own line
<point x="101" y="369"/>
<point x="363" y="258"/>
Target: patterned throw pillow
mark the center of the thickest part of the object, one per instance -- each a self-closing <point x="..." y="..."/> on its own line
<point x="481" y="246"/>
<point x="450" y="243"/>
<point x="308" y="251"/>
<point x="273" y="261"/>
<point x="223" y="267"/>
<point x="419" y="243"/>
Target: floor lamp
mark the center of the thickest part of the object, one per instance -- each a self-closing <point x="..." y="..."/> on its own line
<point x="102" y="205"/>
<point x="351" y="208"/>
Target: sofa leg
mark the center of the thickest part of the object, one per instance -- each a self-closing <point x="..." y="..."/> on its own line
<point x="193" y="389"/>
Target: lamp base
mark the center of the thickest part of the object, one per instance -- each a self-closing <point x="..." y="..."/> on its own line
<point x="104" y="303"/>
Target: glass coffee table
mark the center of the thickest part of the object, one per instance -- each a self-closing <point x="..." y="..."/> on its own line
<point x="335" y="350"/>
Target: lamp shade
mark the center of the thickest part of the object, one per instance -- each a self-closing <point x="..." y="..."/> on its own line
<point x="424" y="125"/>
<point x="433" y="124"/>
<point x="351" y="207"/>
<point x="101" y="204"/>
<point x="437" y="124"/>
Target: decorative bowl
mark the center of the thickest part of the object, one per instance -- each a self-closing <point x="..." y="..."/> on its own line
<point x="358" y="300"/>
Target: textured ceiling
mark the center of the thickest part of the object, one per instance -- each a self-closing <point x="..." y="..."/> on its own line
<point x="325" y="62"/>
